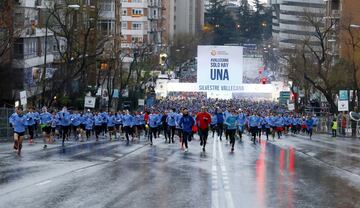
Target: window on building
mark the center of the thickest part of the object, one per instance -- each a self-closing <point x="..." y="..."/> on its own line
<point x="124" y="12"/>
<point x="107" y="5"/>
<point x="18" y="49"/>
<point x="124" y="25"/>
<point x="137" y="1"/>
<point x="137" y="39"/>
<point x="106" y="27"/>
<point x="137" y="11"/>
<point x="136" y="26"/>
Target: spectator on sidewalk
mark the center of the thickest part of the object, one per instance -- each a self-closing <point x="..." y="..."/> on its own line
<point x="343" y="125"/>
<point x="334" y="127"/>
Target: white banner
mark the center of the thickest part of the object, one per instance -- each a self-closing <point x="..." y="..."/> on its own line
<point x="89" y="102"/>
<point x="343" y="105"/>
<point x="23" y="97"/>
<point x="220" y="68"/>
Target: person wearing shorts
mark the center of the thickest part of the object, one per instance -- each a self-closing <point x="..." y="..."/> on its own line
<point x="45" y="123"/>
<point x="18" y="121"/>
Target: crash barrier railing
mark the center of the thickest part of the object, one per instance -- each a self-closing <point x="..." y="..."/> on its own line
<point x="5" y="129"/>
<point x="325" y="126"/>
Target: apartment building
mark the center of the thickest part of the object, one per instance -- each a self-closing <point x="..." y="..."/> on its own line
<point x="184" y="17"/>
<point x="29" y="49"/>
<point x="345" y="18"/>
<point x="289" y="27"/>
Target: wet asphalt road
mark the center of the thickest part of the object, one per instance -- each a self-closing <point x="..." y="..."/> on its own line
<point x="291" y="172"/>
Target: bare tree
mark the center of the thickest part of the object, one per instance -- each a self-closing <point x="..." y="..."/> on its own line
<point x="313" y="53"/>
<point x="77" y="42"/>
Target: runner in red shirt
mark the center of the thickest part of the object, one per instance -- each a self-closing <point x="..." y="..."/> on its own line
<point x="203" y="120"/>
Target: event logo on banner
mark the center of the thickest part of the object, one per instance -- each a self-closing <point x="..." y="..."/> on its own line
<point x="220" y="68"/>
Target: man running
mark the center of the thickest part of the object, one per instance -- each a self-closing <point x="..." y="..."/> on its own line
<point x="231" y="123"/>
<point x="171" y="122"/>
<point x="203" y="120"/>
<point x="253" y="124"/>
<point x="186" y="123"/>
<point x="45" y="122"/>
<point x="30" y="123"/>
<point x="17" y="121"/>
<point x="64" y="119"/>
<point x="220" y="117"/>
<point x="128" y="122"/>
<point x="153" y="124"/>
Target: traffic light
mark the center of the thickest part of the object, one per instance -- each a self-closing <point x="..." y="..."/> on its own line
<point x="163" y="57"/>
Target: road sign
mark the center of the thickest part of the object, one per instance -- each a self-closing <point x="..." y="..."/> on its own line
<point x="343" y="95"/>
<point x="343" y="105"/>
<point x="89" y="102"/>
<point x="141" y="102"/>
<point x="23" y="97"/>
<point x="291" y="106"/>
<point x="284" y="96"/>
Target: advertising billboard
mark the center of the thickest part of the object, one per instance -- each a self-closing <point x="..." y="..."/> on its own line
<point x="220" y="68"/>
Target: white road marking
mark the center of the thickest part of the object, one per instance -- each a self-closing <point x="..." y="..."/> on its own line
<point x="43" y="183"/>
<point x="215" y="182"/>
<point x="228" y="196"/>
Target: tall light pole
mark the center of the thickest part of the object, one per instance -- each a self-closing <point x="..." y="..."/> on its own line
<point x="117" y="35"/>
<point x="43" y="75"/>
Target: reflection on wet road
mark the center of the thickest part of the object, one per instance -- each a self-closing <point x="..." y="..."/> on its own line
<point x="293" y="172"/>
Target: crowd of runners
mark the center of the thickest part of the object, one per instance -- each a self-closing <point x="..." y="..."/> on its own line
<point x="174" y="118"/>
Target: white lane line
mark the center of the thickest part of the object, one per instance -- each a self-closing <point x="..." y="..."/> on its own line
<point x="43" y="183"/>
<point x="215" y="182"/>
<point x="228" y="196"/>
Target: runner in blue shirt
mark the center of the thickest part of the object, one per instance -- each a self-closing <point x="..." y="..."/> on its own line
<point x="171" y="121"/>
<point x="89" y="123"/>
<point x="18" y="121"/>
<point x="76" y="121"/>
<point x="279" y="122"/>
<point x="220" y="118"/>
<point x="253" y="124"/>
<point x="110" y="123"/>
<point x="309" y="126"/>
<point x="98" y="125"/>
<point x="186" y="123"/>
<point x="231" y="123"/>
<point x="45" y="122"/>
<point x="241" y="122"/>
<point x="128" y="122"/>
<point x="213" y="124"/>
<point x="268" y="124"/>
<point x="153" y="124"/>
<point x="30" y="123"/>
<point x="64" y="119"/>
<point x="260" y="126"/>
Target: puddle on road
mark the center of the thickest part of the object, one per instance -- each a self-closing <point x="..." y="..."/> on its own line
<point x="283" y="179"/>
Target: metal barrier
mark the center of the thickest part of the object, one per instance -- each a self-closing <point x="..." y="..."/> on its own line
<point x="5" y="129"/>
<point x="325" y="127"/>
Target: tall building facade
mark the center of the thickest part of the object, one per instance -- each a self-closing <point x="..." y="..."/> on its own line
<point x="184" y="17"/>
<point x="29" y="49"/>
<point x="344" y="15"/>
<point x="289" y="27"/>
